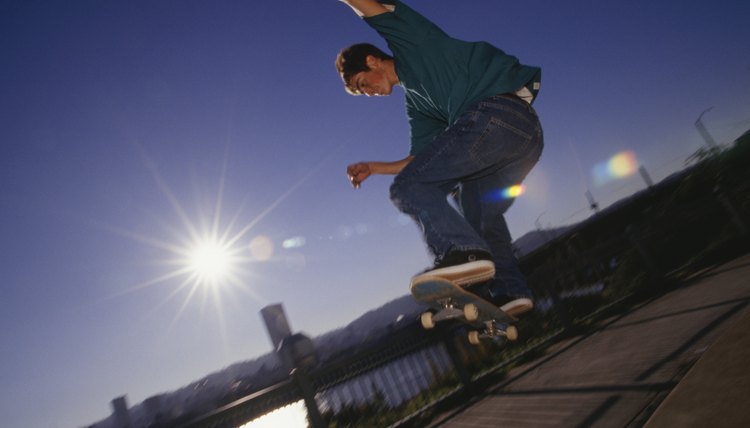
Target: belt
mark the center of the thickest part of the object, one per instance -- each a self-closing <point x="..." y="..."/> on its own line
<point x="511" y="95"/>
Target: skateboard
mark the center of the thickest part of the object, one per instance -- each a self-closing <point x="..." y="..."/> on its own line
<point x="453" y="302"/>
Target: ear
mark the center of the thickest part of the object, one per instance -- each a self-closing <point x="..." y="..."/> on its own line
<point x="372" y="62"/>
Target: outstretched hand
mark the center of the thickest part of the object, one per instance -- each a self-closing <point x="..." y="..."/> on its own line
<point x="357" y="173"/>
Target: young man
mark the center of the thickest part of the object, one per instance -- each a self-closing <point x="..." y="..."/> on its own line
<point x="473" y="134"/>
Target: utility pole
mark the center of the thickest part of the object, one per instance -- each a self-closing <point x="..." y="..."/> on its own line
<point x="592" y="202"/>
<point x="710" y="142"/>
<point x="646" y="177"/>
<point x="541" y="230"/>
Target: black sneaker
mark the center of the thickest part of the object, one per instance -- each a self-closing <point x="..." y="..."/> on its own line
<point x="462" y="268"/>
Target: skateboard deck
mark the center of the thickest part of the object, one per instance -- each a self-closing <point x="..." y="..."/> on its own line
<point x="453" y="302"/>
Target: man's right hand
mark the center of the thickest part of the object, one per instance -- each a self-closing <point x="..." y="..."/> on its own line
<point x="366" y="8"/>
<point x="357" y="173"/>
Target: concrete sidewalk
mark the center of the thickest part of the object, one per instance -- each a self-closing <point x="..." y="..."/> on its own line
<point x="636" y="362"/>
<point x="716" y="389"/>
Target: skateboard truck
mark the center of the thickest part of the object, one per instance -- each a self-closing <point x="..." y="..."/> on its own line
<point x="450" y="301"/>
<point x="448" y="311"/>
<point x="493" y="331"/>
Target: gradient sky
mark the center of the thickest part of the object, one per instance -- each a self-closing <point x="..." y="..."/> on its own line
<point x="128" y="127"/>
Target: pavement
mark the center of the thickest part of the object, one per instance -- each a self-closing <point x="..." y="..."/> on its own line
<point x="680" y="360"/>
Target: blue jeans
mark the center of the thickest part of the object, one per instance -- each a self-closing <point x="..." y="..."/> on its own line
<point x="492" y="146"/>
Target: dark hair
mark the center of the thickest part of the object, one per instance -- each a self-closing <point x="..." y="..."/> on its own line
<point x="353" y="60"/>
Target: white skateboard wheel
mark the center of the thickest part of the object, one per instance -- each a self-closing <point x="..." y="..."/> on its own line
<point x="511" y="333"/>
<point x="427" y="321"/>
<point x="471" y="312"/>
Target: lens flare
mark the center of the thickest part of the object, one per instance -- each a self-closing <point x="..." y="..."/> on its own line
<point x="261" y="247"/>
<point x="296" y="242"/>
<point x="621" y="165"/>
<point x="508" y="193"/>
<point x="514" y="191"/>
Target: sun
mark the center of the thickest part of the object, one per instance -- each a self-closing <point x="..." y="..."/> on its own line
<point x="211" y="262"/>
<point x="206" y="255"/>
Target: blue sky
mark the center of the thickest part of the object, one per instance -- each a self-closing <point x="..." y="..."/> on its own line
<point x="130" y="127"/>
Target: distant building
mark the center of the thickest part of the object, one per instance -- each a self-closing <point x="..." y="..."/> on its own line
<point x="276" y="324"/>
<point x="120" y="413"/>
<point x="295" y="350"/>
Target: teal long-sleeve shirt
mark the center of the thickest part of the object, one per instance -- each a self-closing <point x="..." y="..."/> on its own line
<point x="443" y="76"/>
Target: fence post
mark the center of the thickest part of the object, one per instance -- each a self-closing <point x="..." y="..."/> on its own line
<point x="308" y="394"/>
<point x="727" y="204"/>
<point x="648" y="261"/>
<point x="450" y="345"/>
<point x="559" y="306"/>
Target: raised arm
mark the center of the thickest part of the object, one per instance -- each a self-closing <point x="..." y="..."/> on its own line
<point x="368" y="8"/>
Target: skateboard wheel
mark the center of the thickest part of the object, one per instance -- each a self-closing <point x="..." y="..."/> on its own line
<point x="511" y="333"/>
<point x="427" y="321"/>
<point x="471" y="312"/>
<point x="474" y="337"/>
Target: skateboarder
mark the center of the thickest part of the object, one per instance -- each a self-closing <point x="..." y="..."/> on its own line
<point x="473" y="134"/>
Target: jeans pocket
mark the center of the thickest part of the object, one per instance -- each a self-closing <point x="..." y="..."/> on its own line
<point x="500" y="140"/>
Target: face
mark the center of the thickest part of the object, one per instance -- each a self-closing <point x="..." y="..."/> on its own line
<point x="373" y="82"/>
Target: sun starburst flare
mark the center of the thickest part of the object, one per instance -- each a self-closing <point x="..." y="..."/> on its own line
<point x="207" y="256"/>
<point x="212" y="261"/>
<point x="202" y="256"/>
